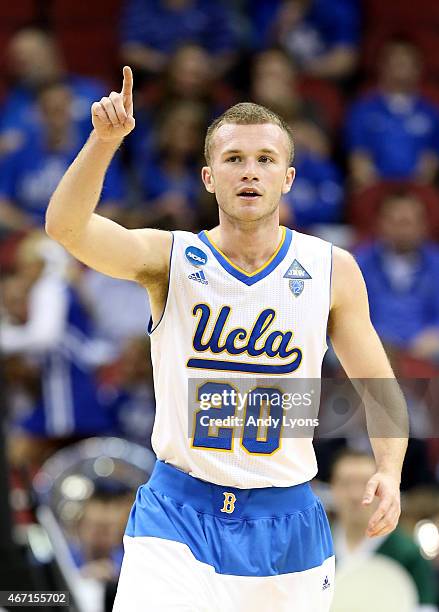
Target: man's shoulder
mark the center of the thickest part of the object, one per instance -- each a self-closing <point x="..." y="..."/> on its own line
<point x="309" y="239"/>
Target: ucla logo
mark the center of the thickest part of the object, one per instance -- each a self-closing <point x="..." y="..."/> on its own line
<point x="229" y="502"/>
<point x="260" y="341"/>
<point x="195" y="256"/>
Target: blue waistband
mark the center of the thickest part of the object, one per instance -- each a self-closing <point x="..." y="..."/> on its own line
<point x="209" y="498"/>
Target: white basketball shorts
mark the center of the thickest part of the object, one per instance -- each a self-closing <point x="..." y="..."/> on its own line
<point x="193" y="546"/>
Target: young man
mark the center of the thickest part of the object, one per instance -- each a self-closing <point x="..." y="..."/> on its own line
<point x="228" y="525"/>
<point x="350" y="472"/>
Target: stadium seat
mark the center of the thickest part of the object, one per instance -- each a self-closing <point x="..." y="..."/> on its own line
<point x="17" y="14"/>
<point x="71" y="12"/>
<point x="363" y="205"/>
<point x="91" y="51"/>
<point x="326" y="97"/>
<point x="405" y="13"/>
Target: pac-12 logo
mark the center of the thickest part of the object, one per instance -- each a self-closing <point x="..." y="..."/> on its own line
<point x="195" y="256"/>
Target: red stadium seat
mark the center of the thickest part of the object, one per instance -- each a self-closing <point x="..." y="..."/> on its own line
<point x="326" y="97"/>
<point x="363" y="205"/>
<point x="17" y="14"/>
<point x="74" y="12"/>
<point x="404" y="13"/>
<point x="90" y="51"/>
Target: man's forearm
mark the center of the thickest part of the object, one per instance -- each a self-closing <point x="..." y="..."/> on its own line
<point x="387" y="423"/>
<point x="389" y="455"/>
<point x="77" y="194"/>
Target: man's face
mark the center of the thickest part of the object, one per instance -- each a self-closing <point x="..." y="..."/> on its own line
<point x="33" y="58"/>
<point x="402" y="224"/>
<point x="99" y="529"/>
<point x="348" y="484"/>
<point x="400" y="65"/>
<point x="249" y="170"/>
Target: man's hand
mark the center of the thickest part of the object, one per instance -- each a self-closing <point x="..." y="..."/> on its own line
<point x="385" y="518"/>
<point x="112" y="117"/>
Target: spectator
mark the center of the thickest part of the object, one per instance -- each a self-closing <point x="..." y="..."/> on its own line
<point x="29" y="175"/>
<point x="120" y="308"/>
<point x="401" y="270"/>
<point x="316" y="196"/>
<point x="351" y="471"/>
<point x="98" y="550"/>
<point x="322" y="37"/>
<point x="169" y="177"/>
<point x="130" y="395"/>
<point x="153" y="29"/>
<point x="392" y="133"/>
<point x="57" y="337"/>
<point x="274" y="83"/>
<point x="189" y="77"/>
<point x="35" y="61"/>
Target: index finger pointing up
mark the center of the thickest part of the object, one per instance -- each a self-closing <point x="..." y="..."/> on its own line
<point x="127" y="86"/>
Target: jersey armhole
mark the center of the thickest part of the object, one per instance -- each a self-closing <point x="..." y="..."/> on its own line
<point x="330" y="296"/>
<point x="151" y="327"/>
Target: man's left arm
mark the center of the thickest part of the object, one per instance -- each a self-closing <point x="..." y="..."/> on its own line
<point x="363" y="358"/>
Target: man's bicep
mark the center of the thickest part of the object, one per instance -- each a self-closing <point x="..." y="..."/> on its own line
<point x="112" y="249"/>
<point x="352" y="334"/>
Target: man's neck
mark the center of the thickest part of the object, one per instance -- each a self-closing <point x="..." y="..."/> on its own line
<point x="248" y="245"/>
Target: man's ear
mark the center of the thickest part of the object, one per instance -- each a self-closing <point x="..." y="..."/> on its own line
<point x="289" y="179"/>
<point x="207" y="178"/>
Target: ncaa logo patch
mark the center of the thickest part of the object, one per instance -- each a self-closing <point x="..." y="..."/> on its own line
<point x="196" y="256"/>
<point x="297" y="271"/>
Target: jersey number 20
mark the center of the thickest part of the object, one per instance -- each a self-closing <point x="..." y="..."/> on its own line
<point x="258" y="424"/>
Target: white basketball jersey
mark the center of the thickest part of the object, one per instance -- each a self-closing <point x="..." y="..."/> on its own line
<point x="226" y="352"/>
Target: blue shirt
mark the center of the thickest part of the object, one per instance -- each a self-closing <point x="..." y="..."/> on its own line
<point x="30" y="175"/>
<point x="394" y="134"/>
<point x="325" y="25"/>
<point x="20" y="111"/>
<point x="116" y="556"/>
<point x="203" y="22"/>
<point x="317" y="193"/>
<point x="400" y="314"/>
<point x="69" y="402"/>
<point x="157" y="182"/>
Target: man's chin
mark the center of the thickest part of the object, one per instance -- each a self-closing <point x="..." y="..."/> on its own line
<point x="248" y="212"/>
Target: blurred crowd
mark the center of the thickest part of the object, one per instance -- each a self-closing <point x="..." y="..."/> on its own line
<point x="358" y="82"/>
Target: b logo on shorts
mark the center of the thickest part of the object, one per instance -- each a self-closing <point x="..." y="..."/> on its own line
<point x="229" y="502"/>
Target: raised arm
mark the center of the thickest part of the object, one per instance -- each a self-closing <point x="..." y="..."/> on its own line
<point x="362" y="356"/>
<point x="142" y="254"/>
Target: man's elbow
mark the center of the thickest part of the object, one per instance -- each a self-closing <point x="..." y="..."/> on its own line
<point x="57" y="230"/>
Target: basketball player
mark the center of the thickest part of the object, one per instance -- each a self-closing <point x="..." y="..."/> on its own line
<point x="228" y="520"/>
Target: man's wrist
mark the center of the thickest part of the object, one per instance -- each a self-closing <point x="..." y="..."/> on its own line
<point x="391" y="471"/>
<point x="111" y="143"/>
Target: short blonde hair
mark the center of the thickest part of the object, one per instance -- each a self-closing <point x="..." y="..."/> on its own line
<point x="247" y="113"/>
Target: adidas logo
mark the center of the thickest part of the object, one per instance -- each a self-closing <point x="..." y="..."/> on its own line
<point x="326" y="583"/>
<point x="199" y="277"/>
